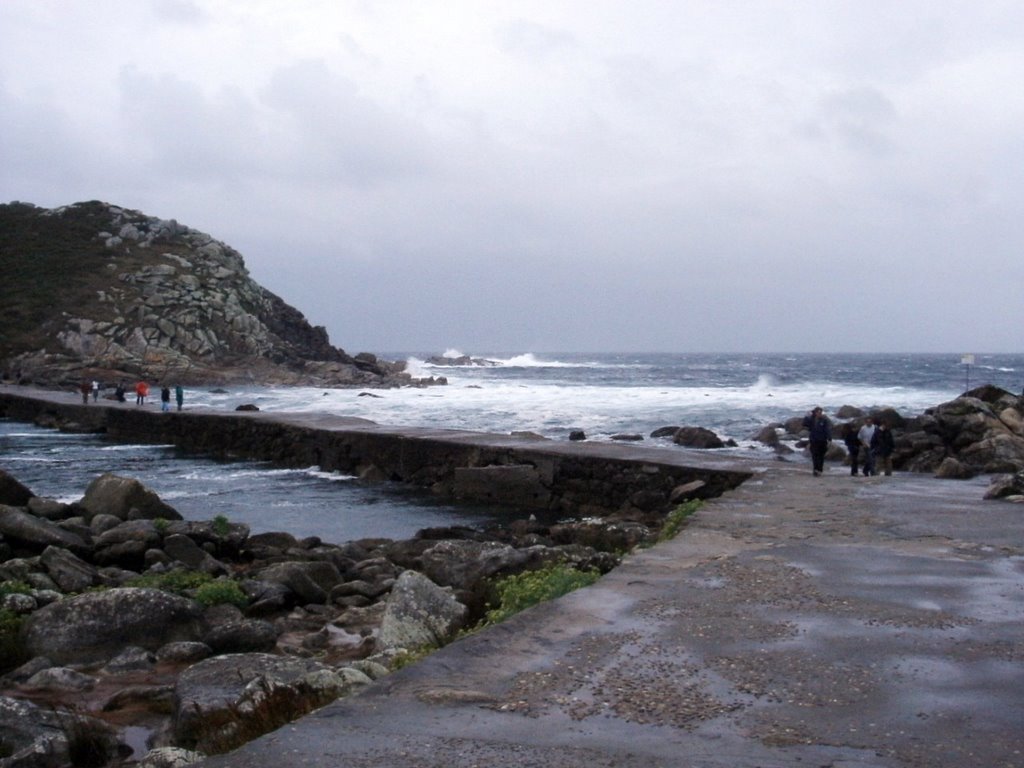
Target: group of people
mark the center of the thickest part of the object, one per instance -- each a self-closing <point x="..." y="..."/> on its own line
<point x="87" y="388"/>
<point x="872" y="442"/>
<point x="141" y="393"/>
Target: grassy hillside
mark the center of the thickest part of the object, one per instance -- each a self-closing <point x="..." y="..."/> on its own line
<point x="51" y="266"/>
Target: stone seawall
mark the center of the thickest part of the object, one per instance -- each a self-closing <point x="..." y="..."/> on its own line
<point x="593" y="479"/>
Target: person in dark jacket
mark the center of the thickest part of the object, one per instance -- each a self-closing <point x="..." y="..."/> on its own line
<point x="819" y="430"/>
<point x="852" y="445"/>
<point x="882" y="446"/>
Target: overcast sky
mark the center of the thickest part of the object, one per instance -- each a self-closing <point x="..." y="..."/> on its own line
<point x="524" y="176"/>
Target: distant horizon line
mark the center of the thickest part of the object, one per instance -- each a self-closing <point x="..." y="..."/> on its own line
<point x="695" y="352"/>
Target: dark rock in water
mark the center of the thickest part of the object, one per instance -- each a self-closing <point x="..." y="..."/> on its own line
<point x="795" y="426"/>
<point x="463" y="360"/>
<point x="889" y="416"/>
<point x="628" y="438"/>
<point x="247" y="407"/>
<point x="664" y="432"/>
<point x="768" y="436"/>
<point x="12" y="492"/>
<point x="125" y="498"/>
<point x="697" y="437"/>
<point x="577" y="434"/>
<point x="849" y="412"/>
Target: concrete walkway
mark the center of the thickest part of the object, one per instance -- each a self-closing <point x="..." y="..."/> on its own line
<point x="796" y="621"/>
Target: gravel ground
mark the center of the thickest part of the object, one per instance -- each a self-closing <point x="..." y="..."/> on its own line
<point x="796" y="621"/>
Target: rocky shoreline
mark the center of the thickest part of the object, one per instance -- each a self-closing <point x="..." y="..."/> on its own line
<point x="133" y="621"/>
<point x="127" y="629"/>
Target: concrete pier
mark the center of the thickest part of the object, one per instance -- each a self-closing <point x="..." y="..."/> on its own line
<point x="571" y="478"/>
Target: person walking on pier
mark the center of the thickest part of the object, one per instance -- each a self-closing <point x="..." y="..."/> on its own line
<point x="852" y="445"/>
<point x="165" y="398"/>
<point x="141" y="390"/>
<point x="866" y="434"/>
<point x="85" y="389"/>
<point x="179" y="395"/>
<point x="882" y="446"/>
<point x="820" y="433"/>
<point x="95" y="390"/>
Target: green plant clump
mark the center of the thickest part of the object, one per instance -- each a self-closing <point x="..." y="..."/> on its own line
<point x="178" y="581"/>
<point x="221" y="591"/>
<point x="676" y="519"/>
<point x="14" y="588"/>
<point x="521" y="591"/>
<point x="221" y="525"/>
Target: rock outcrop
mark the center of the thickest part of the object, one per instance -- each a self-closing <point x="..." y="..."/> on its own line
<point x="979" y="433"/>
<point x="99" y="291"/>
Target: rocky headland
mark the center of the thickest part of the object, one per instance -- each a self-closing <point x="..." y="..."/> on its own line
<point x="97" y="291"/>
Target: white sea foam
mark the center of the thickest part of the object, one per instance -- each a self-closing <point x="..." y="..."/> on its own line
<point x="504" y="405"/>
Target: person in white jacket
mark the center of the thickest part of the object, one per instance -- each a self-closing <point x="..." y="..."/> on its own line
<point x="866" y="433"/>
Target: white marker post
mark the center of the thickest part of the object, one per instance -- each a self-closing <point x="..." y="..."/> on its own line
<point x="967" y="361"/>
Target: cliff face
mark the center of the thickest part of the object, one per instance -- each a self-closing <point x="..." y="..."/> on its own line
<point x="95" y="290"/>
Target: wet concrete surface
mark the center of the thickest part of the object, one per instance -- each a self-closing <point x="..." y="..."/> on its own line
<point x="796" y="621"/>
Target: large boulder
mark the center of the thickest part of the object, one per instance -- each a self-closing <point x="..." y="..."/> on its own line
<point x="96" y="626"/>
<point x="43" y="737"/>
<point x="183" y="549"/>
<point x="215" y="696"/>
<point x="242" y="636"/>
<point x="36" y="534"/>
<point x="419" y="613"/>
<point x="997" y="452"/>
<point x="309" y="582"/>
<point x="70" y="573"/>
<point x="1010" y="487"/>
<point x="12" y="492"/>
<point x="125" y="498"/>
<point x="697" y="437"/>
<point x="464" y="564"/>
<point x="126" y="544"/>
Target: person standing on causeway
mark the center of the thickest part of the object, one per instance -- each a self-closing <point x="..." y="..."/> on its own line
<point x="820" y="433"/>
<point x="866" y="434"/>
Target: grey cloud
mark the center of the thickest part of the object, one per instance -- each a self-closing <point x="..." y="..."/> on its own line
<point x="178" y="11"/>
<point x="335" y="131"/>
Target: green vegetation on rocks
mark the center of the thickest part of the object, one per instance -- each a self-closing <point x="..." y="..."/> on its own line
<point x="676" y="520"/>
<point x="524" y="590"/>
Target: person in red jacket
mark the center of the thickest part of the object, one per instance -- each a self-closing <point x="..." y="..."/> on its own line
<point x="141" y="392"/>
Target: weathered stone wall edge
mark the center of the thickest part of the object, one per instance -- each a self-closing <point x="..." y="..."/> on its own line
<point x="568" y="478"/>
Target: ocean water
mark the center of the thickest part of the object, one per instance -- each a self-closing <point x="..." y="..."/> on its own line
<point x="549" y="394"/>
